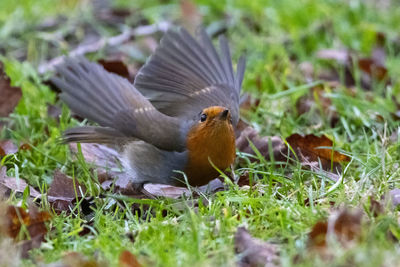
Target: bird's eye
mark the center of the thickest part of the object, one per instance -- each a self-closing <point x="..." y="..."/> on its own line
<point x="203" y="117"/>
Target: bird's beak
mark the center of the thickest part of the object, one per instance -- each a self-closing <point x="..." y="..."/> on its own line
<point x="224" y="114"/>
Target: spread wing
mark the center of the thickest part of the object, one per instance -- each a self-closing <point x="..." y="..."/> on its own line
<point x="113" y="102"/>
<point x="185" y="76"/>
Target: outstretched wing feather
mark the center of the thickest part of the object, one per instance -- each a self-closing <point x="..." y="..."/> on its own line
<point x="112" y="101"/>
<point x="185" y="76"/>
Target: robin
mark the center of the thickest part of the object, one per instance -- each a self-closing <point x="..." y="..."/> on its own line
<point x="175" y="123"/>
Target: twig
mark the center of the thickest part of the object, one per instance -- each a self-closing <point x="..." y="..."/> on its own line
<point x="99" y="44"/>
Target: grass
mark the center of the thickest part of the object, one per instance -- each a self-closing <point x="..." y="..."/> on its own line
<point x="277" y="36"/>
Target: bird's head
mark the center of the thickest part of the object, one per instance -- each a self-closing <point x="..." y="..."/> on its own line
<point x="213" y="126"/>
<point x="213" y="119"/>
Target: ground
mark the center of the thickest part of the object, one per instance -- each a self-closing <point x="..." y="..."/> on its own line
<point x="313" y="67"/>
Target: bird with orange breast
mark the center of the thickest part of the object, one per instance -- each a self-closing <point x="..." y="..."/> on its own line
<point x="176" y="120"/>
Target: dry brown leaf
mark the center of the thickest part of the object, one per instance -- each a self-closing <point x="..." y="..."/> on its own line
<point x="307" y="149"/>
<point x="62" y="195"/>
<point x="279" y="149"/>
<point x="33" y="220"/>
<point x="27" y="228"/>
<point x="10" y="95"/>
<point x="127" y="259"/>
<point x="25" y="146"/>
<point x="310" y="145"/>
<point x="309" y="152"/>
<point x="116" y="66"/>
<point x="244" y="179"/>
<point x="373" y="68"/>
<point x="7" y="147"/>
<point x="343" y="226"/>
<point x="254" y="252"/>
<point x="8" y="184"/>
<point x="62" y="187"/>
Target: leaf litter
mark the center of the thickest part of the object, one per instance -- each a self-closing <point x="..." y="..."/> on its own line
<point x="10" y="95"/>
<point x="26" y="227"/>
<point x="317" y="153"/>
<point x="307" y="149"/>
<point x="12" y="184"/>
<point x="253" y="252"/>
<point x="64" y="192"/>
<point x="127" y="259"/>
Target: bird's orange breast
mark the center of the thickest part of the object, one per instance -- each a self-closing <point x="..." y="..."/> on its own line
<point x="213" y="142"/>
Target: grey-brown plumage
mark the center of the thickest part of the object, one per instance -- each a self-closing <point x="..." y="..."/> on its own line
<point x="152" y="118"/>
<point x="185" y="76"/>
<point x="113" y="102"/>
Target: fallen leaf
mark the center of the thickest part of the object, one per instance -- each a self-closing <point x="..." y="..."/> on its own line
<point x="310" y="152"/>
<point x="343" y="226"/>
<point x="25" y="146"/>
<point x="163" y="190"/>
<point x="10" y="95"/>
<point x="33" y="220"/>
<point x="7" y="147"/>
<point x="127" y="259"/>
<point x="107" y="166"/>
<point x="62" y="195"/>
<point x="27" y="228"/>
<point x="115" y="66"/>
<point x="244" y="179"/>
<point x="8" y="184"/>
<point x="62" y="186"/>
<point x="254" y="252"/>
<point x="278" y="148"/>
<point x="373" y="68"/>
<point x="339" y="55"/>
<point x="394" y="197"/>
<point x="310" y="144"/>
